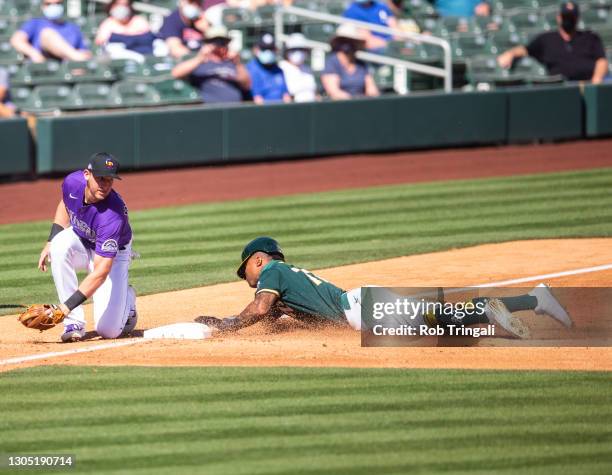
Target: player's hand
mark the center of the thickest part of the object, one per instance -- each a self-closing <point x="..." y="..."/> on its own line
<point x="44" y="257"/>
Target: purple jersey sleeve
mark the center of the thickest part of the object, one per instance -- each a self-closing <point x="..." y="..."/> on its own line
<point x="30" y="28"/>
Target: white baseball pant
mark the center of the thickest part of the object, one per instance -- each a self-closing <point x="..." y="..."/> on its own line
<point x="111" y="302"/>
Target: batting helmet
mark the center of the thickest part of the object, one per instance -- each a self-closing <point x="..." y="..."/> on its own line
<point x="260" y="244"/>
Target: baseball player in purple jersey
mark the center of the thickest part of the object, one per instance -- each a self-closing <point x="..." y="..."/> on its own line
<point x="91" y="231"/>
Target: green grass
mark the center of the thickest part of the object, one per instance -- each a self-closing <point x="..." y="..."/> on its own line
<point x="303" y="421"/>
<point x="196" y="245"/>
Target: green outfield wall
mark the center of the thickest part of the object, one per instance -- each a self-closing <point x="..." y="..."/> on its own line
<point x="15" y="147"/>
<point x="208" y="134"/>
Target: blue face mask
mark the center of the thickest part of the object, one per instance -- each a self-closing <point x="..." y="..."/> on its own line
<point x="266" y="56"/>
<point x="54" y="11"/>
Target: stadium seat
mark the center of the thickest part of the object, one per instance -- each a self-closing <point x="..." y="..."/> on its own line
<point x="20" y="96"/>
<point x="33" y="74"/>
<point x="8" y="54"/>
<point x="237" y="18"/>
<point x="175" y="91"/>
<point x="92" y="96"/>
<point x="500" y="41"/>
<point x="465" y="46"/>
<point x="134" y="94"/>
<point x="384" y="78"/>
<point x="529" y="20"/>
<point x="86" y="71"/>
<point x="49" y="98"/>
<point x="319" y="31"/>
<point x="596" y="17"/>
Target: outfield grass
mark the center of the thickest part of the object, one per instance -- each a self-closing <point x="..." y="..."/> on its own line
<point x="302" y="421"/>
<point x="195" y="245"/>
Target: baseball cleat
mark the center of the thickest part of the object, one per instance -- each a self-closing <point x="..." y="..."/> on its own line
<point x="132" y="318"/>
<point x="73" y="332"/>
<point x="549" y="305"/>
<point x="498" y="313"/>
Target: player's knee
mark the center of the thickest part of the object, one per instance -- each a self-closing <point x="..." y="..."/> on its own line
<point x="108" y="331"/>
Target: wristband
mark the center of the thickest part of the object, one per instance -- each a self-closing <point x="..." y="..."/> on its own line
<point x="55" y="230"/>
<point x="75" y="300"/>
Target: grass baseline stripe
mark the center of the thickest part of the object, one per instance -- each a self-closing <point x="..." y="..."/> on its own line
<point x="117" y="344"/>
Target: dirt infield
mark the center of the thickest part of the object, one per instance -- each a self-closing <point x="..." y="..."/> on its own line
<point x="292" y="344"/>
<point x="144" y="190"/>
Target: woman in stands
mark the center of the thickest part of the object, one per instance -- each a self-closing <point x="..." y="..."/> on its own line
<point x="124" y="30"/>
<point x="344" y="75"/>
<point x="298" y="75"/>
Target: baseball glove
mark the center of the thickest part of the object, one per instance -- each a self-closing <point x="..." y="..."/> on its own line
<point x="41" y="316"/>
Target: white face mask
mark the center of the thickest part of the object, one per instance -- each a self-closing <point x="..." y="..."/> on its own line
<point x="296" y="57"/>
<point x="266" y="56"/>
<point x="191" y="11"/>
<point x="54" y="11"/>
<point x="121" y="12"/>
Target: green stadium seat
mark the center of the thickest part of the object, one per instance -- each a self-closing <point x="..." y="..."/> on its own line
<point x="175" y="91"/>
<point x="92" y="96"/>
<point x="134" y="94"/>
<point x="319" y="31"/>
<point x="7" y="28"/>
<point x="237" y="18"/>
<point x="86" y="71"/>
<point x="606" y="36"/>
<point x="264" y="15"/>
<point x="384" y="78"/>
<point x="33" y="74"/>
<point x="596" y="17"/>
<point x="465" y="46"/>
<point x="8" y="54"/>
<point x="529" y="20"/>
<point x="49" y="98"/>
<point x="459" y="25"/>
<point x="20" y="96"/>
<point x="501" y="41"/>
<point x="122" y="68"/>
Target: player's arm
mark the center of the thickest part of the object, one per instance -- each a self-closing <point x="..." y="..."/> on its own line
<point x="91" y="283"/>
<point x="600" y="70"/>
<point x="261" y="307"/>
<point x="60" y="222"/>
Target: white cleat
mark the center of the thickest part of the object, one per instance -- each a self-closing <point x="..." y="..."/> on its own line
<point x="549" y="305"/>
<point x="498" y="313"/>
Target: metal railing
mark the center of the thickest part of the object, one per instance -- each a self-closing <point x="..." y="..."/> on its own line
<point x="400" y="65"/>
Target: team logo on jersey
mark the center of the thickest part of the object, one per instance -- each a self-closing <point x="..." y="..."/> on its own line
<point x="110" y="245"/>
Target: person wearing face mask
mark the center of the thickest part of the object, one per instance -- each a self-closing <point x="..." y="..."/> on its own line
<point x="123" y="22"/>
<point x="215" y="71"/>
<point x="267" y="79"/>
<point x="344" y="75"/>
<point x="183" y="30"/>
<point x="50" y="37"/>
<point x="377" y="13"/>
<point x="574" y="54"/>
<point x="298" y="75"/>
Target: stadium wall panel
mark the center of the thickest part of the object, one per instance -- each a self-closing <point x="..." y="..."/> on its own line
<point x="544" y="113"/>
<point x="214" y="134"/>
<point x="14" y="147"/>
<point x="598" y="104"/>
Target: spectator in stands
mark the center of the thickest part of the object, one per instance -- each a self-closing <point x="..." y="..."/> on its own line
<point x="215" y="71"/>
<point x="344" y="75"/>
<point x="7" y="109"/>
<point x="377" y="13"/>
<point x="183" y="30"/>
<point x="50" y="36"/>
<point x="576" y="55"/>
<point x="462" y="8"/>
<point x="298" y="75"/>
<point x="124" y="30"/>
<point x="267" y="78"/>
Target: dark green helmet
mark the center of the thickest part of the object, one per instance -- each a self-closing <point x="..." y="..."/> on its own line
<point x="260" y="244"/>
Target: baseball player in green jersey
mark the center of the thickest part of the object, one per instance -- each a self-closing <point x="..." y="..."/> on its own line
<point x="285" y="289"/>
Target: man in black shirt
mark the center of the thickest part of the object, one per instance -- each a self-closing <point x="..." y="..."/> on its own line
<point x="576" y="55"/>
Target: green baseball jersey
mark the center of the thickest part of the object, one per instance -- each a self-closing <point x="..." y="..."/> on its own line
<point x="302" y="291"/>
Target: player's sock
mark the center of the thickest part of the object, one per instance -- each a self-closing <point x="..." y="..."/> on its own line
<point x="520" y="302"/>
